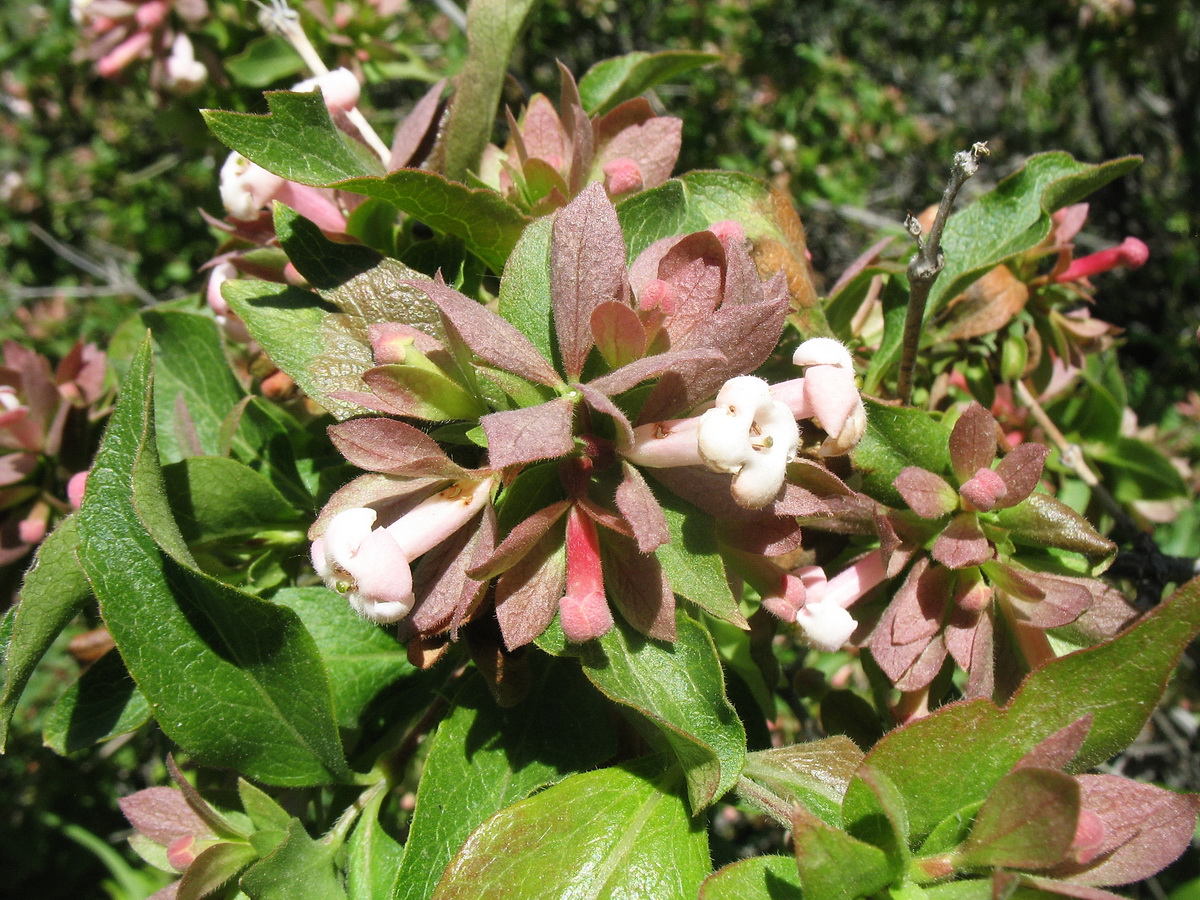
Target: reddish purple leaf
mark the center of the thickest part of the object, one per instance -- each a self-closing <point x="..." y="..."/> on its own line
<point x="925" y="667"/>
<point x="602" y="404"/>
<point x="490" y="337"/>
<point x="582" y="153"/>
<point x="527" y="595"/>
<point x="618" y="333"/>
<point x="391" y="447"/>
<point x="414" y="134"/>
<point x="446" y="594"/>
<point x="910" y="623"/>
<point x="519" y="436"/>
<point x="1062" y="600"/>
<point x="1020" y="471"/>
<point x="1146" y="828"/>
<point x="520" y="541"/>
<point x="634" y="373"/>
<point x="969" y="640"/>
<point x="638" y="505"/>
<point x="162" y="814"/>
<point x="1057" y="751"/>
<point x="695" y="267"/>
<point x="927" y="494"/>
<point x="639" y="588"/>
<point x="1064" y="889"/>
<point x="587" y="268"/>
<point x="765" y="535"/>
<point x="962" y="543"/>
<point x="972" y="442"/>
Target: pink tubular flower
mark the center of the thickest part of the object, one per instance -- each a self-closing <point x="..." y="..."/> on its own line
<point x="819" y="606"/>
<point x="1131" y="253"/>
<point x="340" y="88"/>
<point x="826" y="394"/>
<point x="372" y="566"/>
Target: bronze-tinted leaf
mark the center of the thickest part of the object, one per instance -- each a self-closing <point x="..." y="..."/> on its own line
<point x="391" y="447"/>
<point x="587" y="268"/>
<point x="638" y="505"/>
<point x="986" y="306"/>
<point x="638" y="587"/>
<point x="517" y="436"/>
<point x="972" y="442"/>
<point x="927" y="494"/>
<point x="962" y="543"/>
<point x="1021" y="469"/>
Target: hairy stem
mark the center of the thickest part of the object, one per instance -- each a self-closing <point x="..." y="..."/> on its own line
<point x="769" y="802"/>
<point x="927" y="263"/>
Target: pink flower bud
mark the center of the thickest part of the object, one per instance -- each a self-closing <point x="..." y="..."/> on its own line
<point x="583" y="611"/>
<point x="182" y="852"/>
<point x="657" y="294"/>
<point x="1089" y="837"/>
<point x="728" y="231"/>
<point x="75" y="489"/>
<point x="123" y="54"/>
<point x="246" y="188"/>
<point x="622" y="176"/>
<point x="151" y="15"/>
<point x="1130" y="254"/>
<point x="984" y="490"/>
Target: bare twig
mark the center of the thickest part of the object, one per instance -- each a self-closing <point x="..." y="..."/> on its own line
<point x="116" y="280"/>
<point x="927" y="263"/>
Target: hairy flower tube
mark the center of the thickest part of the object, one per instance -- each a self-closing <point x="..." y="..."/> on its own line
<point x="372" y="566"/>
<point x="819" y="605"/>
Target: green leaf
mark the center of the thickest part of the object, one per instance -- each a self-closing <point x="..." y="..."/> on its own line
<point x="296" y="140"/>
<point x="484" y="757"/>
<point x="833" y="865"/>
<point x="298" y="869"/>
<point x="692" y="562"/>
<point x="887" y="356"/>
<point x="1117" y="683"/>
<point x="219" y="499"/>
<point x="525" y="298"/>
<point x="487" y="223"/>
<point x="680" y="688"/>
<point x="194" y="388"/>
<point x="373" y="855"/>
<point x="815" y="774"/>
<point x="614" y="81"/>
<point x="757" y="878"/>
<point x="1136" y="470"/>
<point x="493" y="27"/>
<point x="951" y="831"/>
<point x="362" y="658"/>
<point x="874" y="811"/>
<point x="325" y="264"/>
<point x="613" y="833"/>
<point x="1028" y="822"/>
<point x="1014" y="217"/>
<point x="101" y="704"/>
<point x="232" y="679"/>
<point x="287" y="322"/>
<point x="897" y="437"/>
<point x="1042" y="521"/>
<point x="264" y="813"/>
<point x="265" y="61"/>
<point x="54" y="591"/>
<point x="215" y="866"/>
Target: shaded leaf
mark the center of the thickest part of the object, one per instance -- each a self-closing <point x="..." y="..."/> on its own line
<point x="814" y="774"/>
<point x="101" y="704"/>
<point x="202" y="652"/>
<point x="484" y="757"/>
<point x="680" y="688"/>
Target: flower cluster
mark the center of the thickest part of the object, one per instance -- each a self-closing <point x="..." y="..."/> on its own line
<point x="676" y="332"/>
<point x="120" y="32"/>
<point x="46" y="423"/>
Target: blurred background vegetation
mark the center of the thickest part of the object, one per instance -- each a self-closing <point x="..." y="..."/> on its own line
<point x="855" y="106"/>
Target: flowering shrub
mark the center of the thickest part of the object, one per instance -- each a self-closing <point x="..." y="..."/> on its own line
<point x="530" y="471"/>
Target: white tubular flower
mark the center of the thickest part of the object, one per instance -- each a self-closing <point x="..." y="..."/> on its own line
<point x="436" y="518"/>
<point x="750" y="435"/>
<point x="339" y="87"/>
<point x="366" y="565"/>
<point x="826" y="625"/>
<point x="245" y="187"/>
